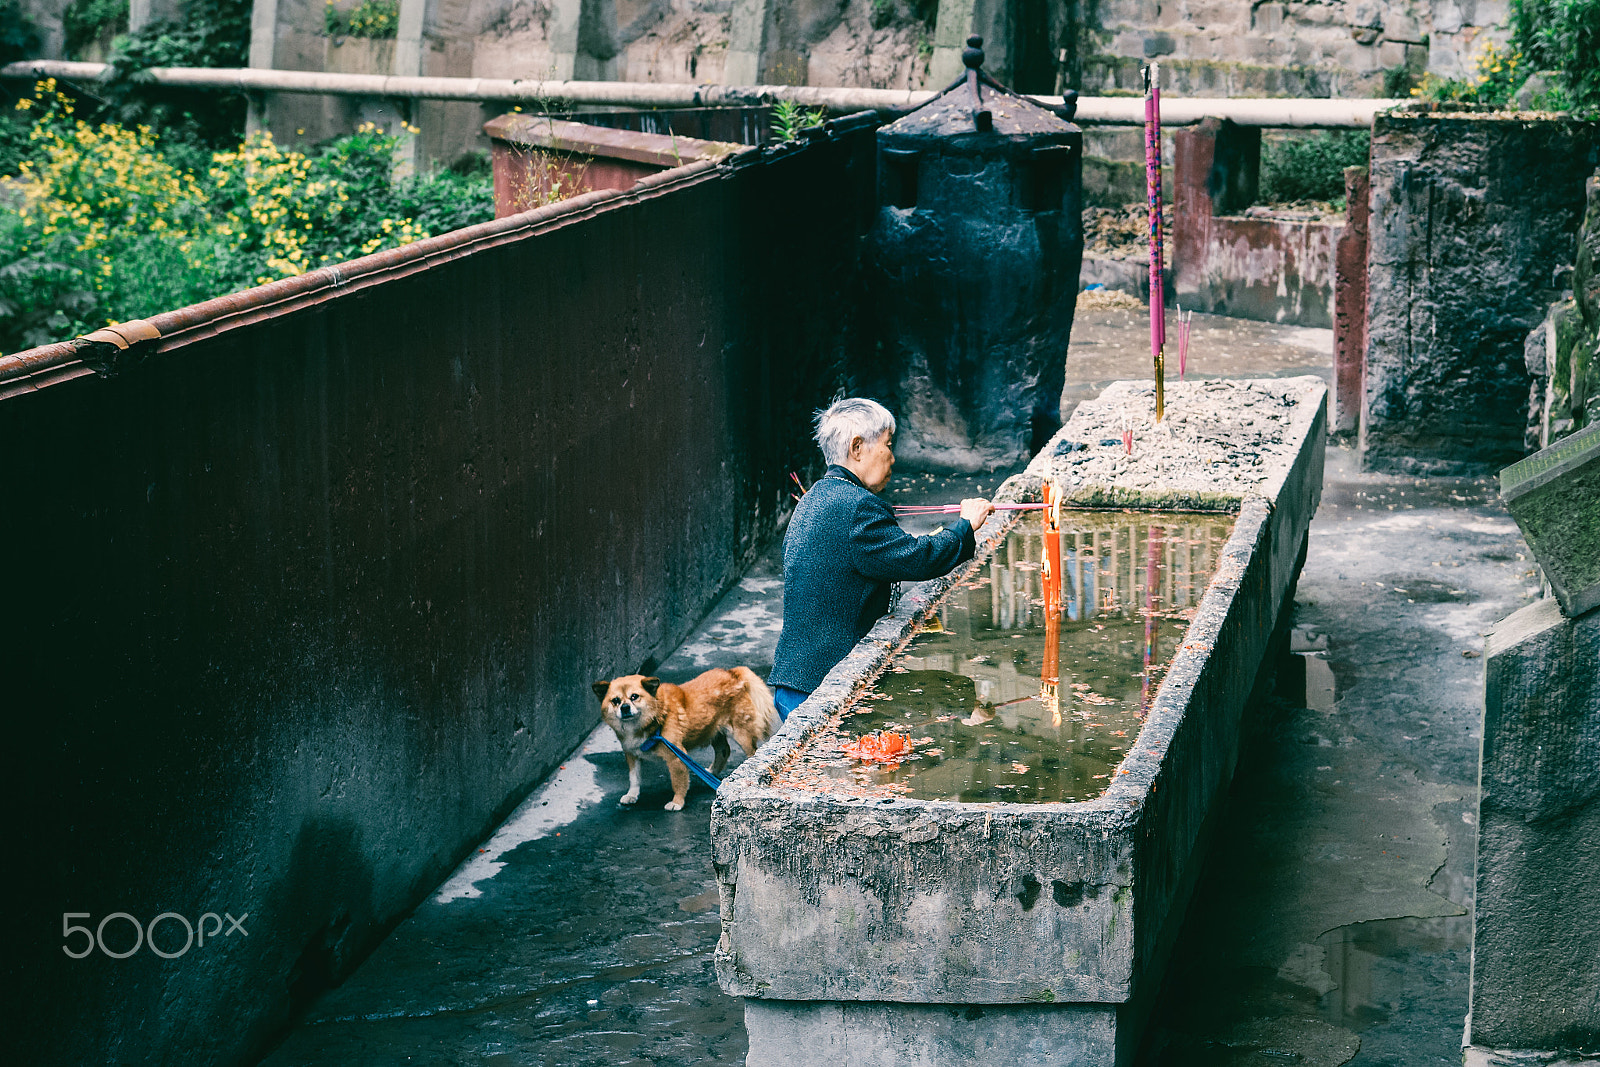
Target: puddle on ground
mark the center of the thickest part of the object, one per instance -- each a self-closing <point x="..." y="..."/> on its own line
<point x="998" y="699"/>
<point x="1368" y="965"/>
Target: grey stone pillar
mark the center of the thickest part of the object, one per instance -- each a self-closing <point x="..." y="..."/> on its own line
<point x="747" y="43"/>
<point x="956" y="21"/>
<point x="408" y="38"/>
<point x="1535" y="937"/>
<point x="263" y="39"/>
<point x="583" y="39"/>
<point x="407" y="63"/>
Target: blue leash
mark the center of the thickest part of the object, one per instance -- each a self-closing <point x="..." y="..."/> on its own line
<point x="694" y="768"/>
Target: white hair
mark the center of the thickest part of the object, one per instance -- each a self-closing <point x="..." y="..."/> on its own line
<point x="845" y="420"/>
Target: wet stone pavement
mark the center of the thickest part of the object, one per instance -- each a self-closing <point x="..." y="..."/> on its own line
<point x="1331" y="921"/>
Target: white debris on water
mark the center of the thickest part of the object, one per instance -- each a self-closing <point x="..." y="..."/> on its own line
<point x="553" y="805"/>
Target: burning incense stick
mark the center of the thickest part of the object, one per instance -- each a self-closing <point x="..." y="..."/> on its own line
<point x="1152" y="167"/>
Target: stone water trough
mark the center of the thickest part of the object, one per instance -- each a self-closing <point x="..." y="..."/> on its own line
<point x="930" y="912"/>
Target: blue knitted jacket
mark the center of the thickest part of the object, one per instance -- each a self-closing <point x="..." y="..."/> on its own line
<point x="840" y="554"/>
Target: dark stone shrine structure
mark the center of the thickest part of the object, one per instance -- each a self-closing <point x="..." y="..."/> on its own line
<point x="977" y="248"/>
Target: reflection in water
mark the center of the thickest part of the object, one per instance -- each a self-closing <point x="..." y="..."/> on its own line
<point x="1368" y="964"/>
<point x="1006" y="699"/>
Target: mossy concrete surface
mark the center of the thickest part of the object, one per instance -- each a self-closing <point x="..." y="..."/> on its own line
<point x="1555" y="497"/>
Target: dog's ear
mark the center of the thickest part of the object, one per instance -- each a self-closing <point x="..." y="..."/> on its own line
<point x="650" y="685"/>
<point x="601" y="688"/>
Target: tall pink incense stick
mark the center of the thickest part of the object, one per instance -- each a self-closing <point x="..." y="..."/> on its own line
<point x="1152" y="169"/>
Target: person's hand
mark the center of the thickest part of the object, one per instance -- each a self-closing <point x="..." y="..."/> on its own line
<point x="975" y="510"/>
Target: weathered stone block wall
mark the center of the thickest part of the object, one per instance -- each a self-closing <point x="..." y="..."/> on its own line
<point x="1458" y="31"/>
<point x="1211" y="47"/>
<point x="311" y="601"/>
<point x="1217" y="48"/>
<point x="691" y="41"/>
<point x="1539" y="836"/>
<point x="1462" y="251"/>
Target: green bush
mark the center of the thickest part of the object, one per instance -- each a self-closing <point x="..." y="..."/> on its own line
<point x="1311" y="168"/>
<point x="15" y="144"/>
<point x="19" y="37"/>
<point x="1565" y="39"/>
<point x="1500" y="74"/>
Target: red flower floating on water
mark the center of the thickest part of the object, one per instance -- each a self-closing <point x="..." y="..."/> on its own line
<point x="883" y="746"/>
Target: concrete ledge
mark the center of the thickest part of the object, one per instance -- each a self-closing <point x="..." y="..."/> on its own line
<point x="660" y="151"/>
<point x="1474" y="1056"/>
<point x="905" y="1035"/>
<point x="837" y="899"/>
<point x="1538" y="835"/>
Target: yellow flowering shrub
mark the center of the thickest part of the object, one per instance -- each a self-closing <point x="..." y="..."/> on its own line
<point x="101" y="227"/>
<point x="1500" y="73"/>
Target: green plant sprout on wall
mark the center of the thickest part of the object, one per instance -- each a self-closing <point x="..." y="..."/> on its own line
<point x="789" y="118"/>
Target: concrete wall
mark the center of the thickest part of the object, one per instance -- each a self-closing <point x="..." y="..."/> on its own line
<point x="538" y="159"/>
<point x="624" y="40"/>
<point x="309" y="604"/>
<point x="1273" y="270"/>
<point x="1461" y="264"/>
<point x="1538" y="836"/>
<point x="1341" y="48"/>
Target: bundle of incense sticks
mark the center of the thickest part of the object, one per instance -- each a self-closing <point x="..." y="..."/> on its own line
<point x="953" y="509"/>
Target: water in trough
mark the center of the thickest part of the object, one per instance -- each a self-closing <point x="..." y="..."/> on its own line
<point x="997" y="699"/>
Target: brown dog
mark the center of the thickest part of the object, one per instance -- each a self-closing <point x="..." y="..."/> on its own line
<point x="705" y="711"/>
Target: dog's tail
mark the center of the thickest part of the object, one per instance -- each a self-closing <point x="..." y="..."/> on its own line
<point x="766" y="711"/>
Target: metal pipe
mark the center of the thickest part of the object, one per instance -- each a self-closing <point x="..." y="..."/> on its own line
<point x="1092" y="110"/>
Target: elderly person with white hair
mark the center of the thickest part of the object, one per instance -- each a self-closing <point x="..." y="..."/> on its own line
<point x="844" y="547"/>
